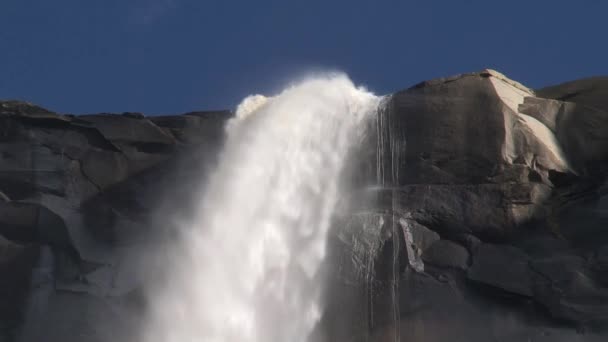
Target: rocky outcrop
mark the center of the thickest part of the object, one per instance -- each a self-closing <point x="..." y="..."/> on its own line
<point x="480" y="214"/>
<point x="591" y="92"/>
<point x="514" y="185"/>
<point x="79" y="194"/>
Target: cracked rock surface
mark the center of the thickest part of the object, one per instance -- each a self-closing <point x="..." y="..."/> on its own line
<point x="513" y="182"/>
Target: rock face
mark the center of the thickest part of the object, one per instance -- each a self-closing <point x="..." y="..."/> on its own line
<point x="481" y="214"/>
<point x="514" y="184"/>
<point x="79" y="196"/>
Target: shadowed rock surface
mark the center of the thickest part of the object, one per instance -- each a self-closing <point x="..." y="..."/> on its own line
<point x="81" y="198"/>
<point x="480" y="214"/>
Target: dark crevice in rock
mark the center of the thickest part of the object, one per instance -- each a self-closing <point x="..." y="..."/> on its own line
<point x="19" y="190"/>
<point x="87" y="177"/>
<point x="67" y="155"/>
<point x="562" y="179"/>
<point x="535" y="177"/>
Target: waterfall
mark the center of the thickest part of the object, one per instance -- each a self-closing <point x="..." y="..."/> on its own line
<point x="248" y="268"/>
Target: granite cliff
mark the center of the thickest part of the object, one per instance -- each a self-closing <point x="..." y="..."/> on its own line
<point x="488" y="224"/>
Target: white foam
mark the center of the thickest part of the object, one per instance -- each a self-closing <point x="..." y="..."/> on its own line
<point x="247" y="270"/>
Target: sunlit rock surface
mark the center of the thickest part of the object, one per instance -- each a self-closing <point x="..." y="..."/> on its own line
<point x="480" y="214"/>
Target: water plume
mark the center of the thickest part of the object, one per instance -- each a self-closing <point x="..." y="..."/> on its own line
<point x="247" y="269"/>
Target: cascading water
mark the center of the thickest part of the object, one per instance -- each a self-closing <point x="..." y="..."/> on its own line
<point x="248" y="268"/>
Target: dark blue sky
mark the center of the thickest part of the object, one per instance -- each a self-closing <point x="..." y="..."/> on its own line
<point x="171" y="56"/>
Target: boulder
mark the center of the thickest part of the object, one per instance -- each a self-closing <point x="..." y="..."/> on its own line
<point x="445" y="253"/>
<point x="474" y="162"/>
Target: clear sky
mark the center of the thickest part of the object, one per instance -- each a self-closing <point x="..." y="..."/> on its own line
<point x="172" y="56"/>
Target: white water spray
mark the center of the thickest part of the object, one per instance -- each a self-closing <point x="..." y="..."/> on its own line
<point x="248" y="268"/>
